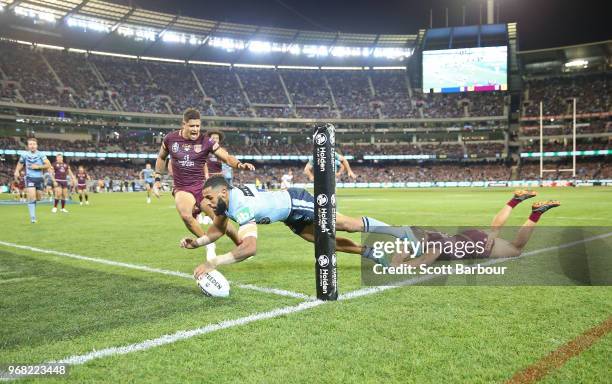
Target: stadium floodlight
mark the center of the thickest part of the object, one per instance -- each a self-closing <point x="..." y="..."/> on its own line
<point x="88" y="24"/>
<point x="35" y="14"/>
<point x="577" y="63"/>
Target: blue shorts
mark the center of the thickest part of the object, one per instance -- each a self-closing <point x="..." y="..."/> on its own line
<point x="302" y="210"/>
<point x="35" y="182"/>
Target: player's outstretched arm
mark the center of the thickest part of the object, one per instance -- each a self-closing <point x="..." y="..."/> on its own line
<point x="247" y="248"/>
<point x="230" y="160"/>
<point x="213" y="234"/>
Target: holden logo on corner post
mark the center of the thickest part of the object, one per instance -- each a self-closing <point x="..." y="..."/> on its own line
<point x="333" y="200"/>
<point x="323" y="261"/>
<point x="320" y="139"/>
<point x="334" y="259"/>
<point x="322" y="199"/>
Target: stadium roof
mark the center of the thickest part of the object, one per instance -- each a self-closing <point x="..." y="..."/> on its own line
<point x="594" y="55"/>
<point x="123" y="15"/>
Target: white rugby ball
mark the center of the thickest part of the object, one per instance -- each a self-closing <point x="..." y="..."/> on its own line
<point x="214" y="284"/>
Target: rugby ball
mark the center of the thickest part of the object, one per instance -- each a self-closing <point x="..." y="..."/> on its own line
<point x="214" y="284"/>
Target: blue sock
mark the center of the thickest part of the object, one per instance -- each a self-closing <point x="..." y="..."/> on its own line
<point x="32" y="209"/>
<point x="371" y="225"/>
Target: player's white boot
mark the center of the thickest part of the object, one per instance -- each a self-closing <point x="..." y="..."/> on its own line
<point x="54" y="210"/>
<point x="81" y="203"/>
<point x="148" y="200"/>
<point x="211" y="251"/>
<point x="87" y="202"/>
<point x="64" y="210"/>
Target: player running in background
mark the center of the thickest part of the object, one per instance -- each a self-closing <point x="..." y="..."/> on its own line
<point x="20" y="187"/>
<point x="287" y="180"/>
<point x="294" y="207"/>
<point x="146" y="177"/>
<point x="342" y="165"/>
<point x="82" y="178"/>
<point x="188" y="149"/>
<point x="48" y="181"/>
<point x="61" y="171"/>
<point x="34" y="164"/>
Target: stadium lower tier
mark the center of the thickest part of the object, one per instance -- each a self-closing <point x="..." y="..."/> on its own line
<point x="270" y="175"/>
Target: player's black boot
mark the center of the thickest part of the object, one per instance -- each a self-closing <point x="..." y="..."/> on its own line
<point x="543" y="206"/>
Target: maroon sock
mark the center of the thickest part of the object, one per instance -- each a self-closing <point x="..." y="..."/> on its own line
<point x="513" y="202"/>
<point x="535" y="216"/>
<point x="55" y="203"/>
<point x="63" y="203"/>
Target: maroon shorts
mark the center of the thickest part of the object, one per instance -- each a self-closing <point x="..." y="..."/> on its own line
<point x="81" y="187"/>
<point x="478" y="248"/>
<point x="62" y="183"/>
<point x="196" y="192"/>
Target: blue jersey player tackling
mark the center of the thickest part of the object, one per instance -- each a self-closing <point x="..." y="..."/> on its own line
<point x="34" y="163"/>
<point x="294" y="207"/>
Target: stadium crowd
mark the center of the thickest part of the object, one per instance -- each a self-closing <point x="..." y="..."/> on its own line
<point x="76" y="80"/>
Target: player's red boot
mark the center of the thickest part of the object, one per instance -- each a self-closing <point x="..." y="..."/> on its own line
<point x="537" y="209"/>
<point x="543" y="206"/>
<point x="522" y="195"/>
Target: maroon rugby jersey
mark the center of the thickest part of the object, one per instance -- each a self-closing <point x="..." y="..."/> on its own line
<point x="61" y="171"/>
<point x="187" y="158"/>
<point x="81" y="178"/>
<point x="213" y="164"/>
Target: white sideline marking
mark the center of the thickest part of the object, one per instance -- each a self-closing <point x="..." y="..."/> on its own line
<point x="186" y="334"/>
<point x="275" y="291"/>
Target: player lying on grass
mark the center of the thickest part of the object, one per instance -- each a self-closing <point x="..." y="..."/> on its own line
<point x="492" y="245"/>
<point x="294" y="207"/>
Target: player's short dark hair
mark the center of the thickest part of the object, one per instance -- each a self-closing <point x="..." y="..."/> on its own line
<point x="31" y="138"/>
<point x="216" y="182"/>
<point x="191" y="114"/>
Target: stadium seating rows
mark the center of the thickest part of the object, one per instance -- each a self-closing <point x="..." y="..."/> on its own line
<point x="69" y="79"/>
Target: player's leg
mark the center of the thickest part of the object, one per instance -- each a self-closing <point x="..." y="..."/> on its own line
<point x="148" y="189"/>
<point x="502" y="216"/>
<point x="30" y="192"/>
<point x="211" y="249"/>
<point x="370" y="225"/>
<point x="58" y="194"/>
<point x="185" y="202"/>
<point x="504" y="248"/>
<point x="64" y="196"/>
<point x="80" y="196"/>
<point x="86" y="195"/>
<point x="342" y="244"/>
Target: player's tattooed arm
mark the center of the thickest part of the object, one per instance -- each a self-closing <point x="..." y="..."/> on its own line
<point x="213" y="234"/>
<point x="230" y="160"/>
<point x="246" y="249"/>
<point x="347" y="167"/>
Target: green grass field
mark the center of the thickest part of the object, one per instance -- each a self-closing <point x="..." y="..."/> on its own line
<point x="54" y="307"/>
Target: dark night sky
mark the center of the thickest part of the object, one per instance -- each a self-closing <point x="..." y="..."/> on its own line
<point x="542" y="23"/>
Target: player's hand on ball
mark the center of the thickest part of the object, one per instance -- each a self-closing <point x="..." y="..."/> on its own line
<point x="201" y="269"/>
<point x="189" y="243"/>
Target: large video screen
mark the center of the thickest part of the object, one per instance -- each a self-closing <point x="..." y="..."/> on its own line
<point x="466" y="70"/>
